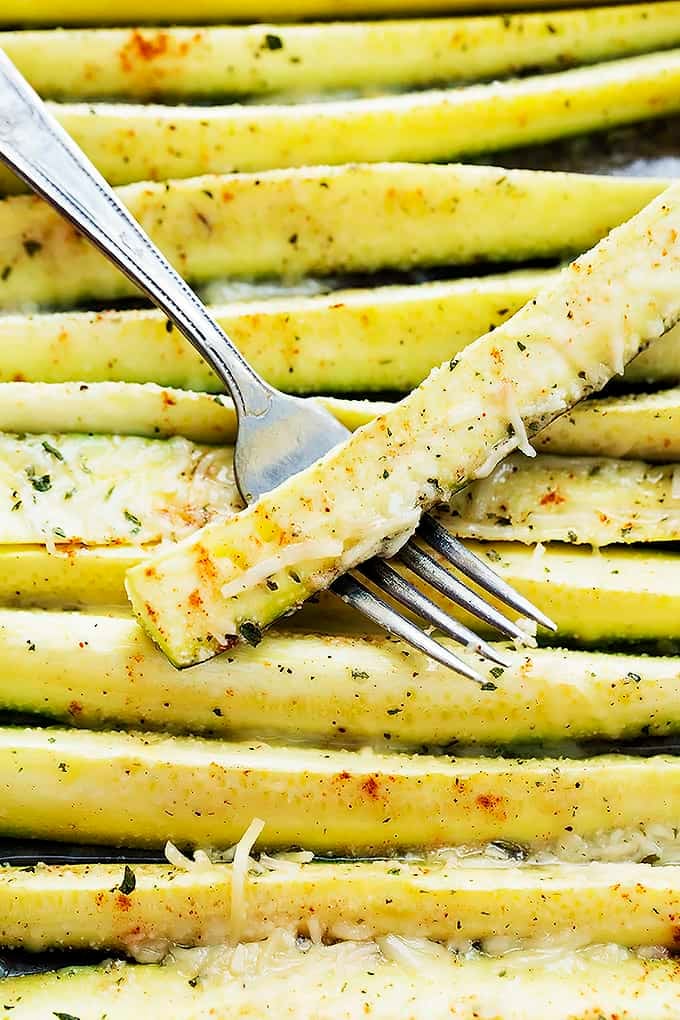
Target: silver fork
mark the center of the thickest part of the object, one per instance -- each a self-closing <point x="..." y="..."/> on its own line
<point x="278" y="435"/>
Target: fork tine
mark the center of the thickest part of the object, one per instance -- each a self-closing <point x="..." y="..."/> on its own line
<point x="391" y="582"/>
<point x="357" y="595"/>
<point x="432" y="532"/>
<point x="422" y="564"/>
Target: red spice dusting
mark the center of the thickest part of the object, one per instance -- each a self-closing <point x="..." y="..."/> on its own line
<point x="370" y="787"/>
<point x="75" y="708"/>
<point x="123" y="902"/>
<point x="552" y="496"/>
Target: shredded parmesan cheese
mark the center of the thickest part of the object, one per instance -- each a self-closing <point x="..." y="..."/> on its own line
<point x="517" y="423"/>
<point x="238" y="876"/>
<point x="675" y="483"/>
<point x="288" y="556"/>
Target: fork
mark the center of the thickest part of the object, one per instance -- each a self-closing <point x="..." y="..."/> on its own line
<point x="278" y="435"/>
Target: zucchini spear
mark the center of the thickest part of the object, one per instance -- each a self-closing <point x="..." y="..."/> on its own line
<point x="365" y="498"/>
<point x="142" y="789"/>
<point x="320" y="220"/>
<point x="84" y="907"/>
<point x="214" y="62"/>
<point x="351" y="979"/>
<point x="96" y="671"/>
<point x="138" y="143"/>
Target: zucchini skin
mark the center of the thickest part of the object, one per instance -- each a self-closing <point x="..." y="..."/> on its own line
<point x="143" y="789"/>
<point x="593" y="500"/>
<point x="213" y="62"/>
<point x="366" y="217"/>
<point x="139" y="143"/>
<point x="194" y="600"/>
<point x="82" y="906"/>
<point x="374" y="979"/>
<point x="93" y="671"/>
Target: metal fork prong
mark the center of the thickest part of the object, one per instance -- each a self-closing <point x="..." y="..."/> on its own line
<point x="392" y="583"/>
<point x="432" y="532"/>
<point x="357" y="595"/>
<point x="427" y="568"/>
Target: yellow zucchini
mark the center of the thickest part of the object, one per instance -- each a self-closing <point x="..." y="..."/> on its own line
<point x="349" y="979"/>
<point x="592" y="500"/>
<point x="93" y="671"/>
<point x="138" y="143"/>
<point x="184" y="63"/>
<point x="230" y="579"/>
<point x="320" y="220"/>
<point x="142" y="789"/>
<point x="83" y="907"/>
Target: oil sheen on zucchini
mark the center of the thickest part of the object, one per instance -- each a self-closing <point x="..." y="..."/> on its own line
<point x="137" y="143"/>
<point x="141" y="789"/>
<point x="323" y="220"/>
<point x="213" y="62"/>
<point x="352" y="979"/>
<point x="366" y="496"/>
<point x="94" y="671"/>
<point x="83" y="907"/>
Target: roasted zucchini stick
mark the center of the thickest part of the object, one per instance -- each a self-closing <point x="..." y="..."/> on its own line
<point x="138" y="143"/>
<point x="350" y="979"/>
<point x="142" y="789"/>
<point x="97" y="671"/>
<point x="618" y="595"/>
<point x="366" y="496"/>
<point x="213" y="62"/>
<point x="84" y="907"/>
<point x="595" y="500"/>
<point x="320" y="220"/>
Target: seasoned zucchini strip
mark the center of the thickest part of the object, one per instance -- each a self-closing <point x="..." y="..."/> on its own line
<point x="213" y="62"/>
<point x="384" y="338"/>
<point x="94" y="671"/>
<point x="142" y="789"/>
<point x="84" y="907"/>
<point x="86" y="489"/>
<point x="138" y="143"/>
<point x="591" y="500"/>
<point x="365" y="497"/>
<point x="619" y="595"/>
<point x="323" y="220"/>
<point x="354" y="978"/>
<point x="140" y="409"/>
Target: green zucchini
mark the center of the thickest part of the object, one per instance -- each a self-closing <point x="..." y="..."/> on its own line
<point x="138" y="143"/>
<point x="590" y="500"/>
<point x="143" y="789"/>
<point x="94" y="671"/>
<point x="619" y="595"/>
<point x="140" y="409"/>
<point x="84" y="907"/>
<point x="366" y="496"/>
<point x="85" y="489"/>
<point x="323" y="220"/>
<point x="303" y="344"/>
<point x="351" y="979"/>
<point x="211" y="62"/>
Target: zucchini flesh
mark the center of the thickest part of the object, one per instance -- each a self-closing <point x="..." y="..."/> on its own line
<point x="93" y="671"/>
<point x="299" y="344"/>
<point x="141" y="409"/>
<point x="349" y="979"/>
<point x="143" y="789"/>
<point x="366" y="496"/>
<point x="320" y="220"/>
<point x="138" y="143"/>
<point x="181" y="63"/>
<point x="619" y="595"/>
<point x="570" y="499"/>
<point x="85" y="489"/>
<point x="83" y="907"/>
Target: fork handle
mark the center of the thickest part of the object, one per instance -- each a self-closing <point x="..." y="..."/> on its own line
<point x="38" y="149"/>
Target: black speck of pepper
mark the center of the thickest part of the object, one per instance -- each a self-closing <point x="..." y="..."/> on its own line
<point x="32" y="247"/>
<point x="168" y="326"/>
<point x="250" y="632"/>
<point x="4" y="275"/>
<point x="129" y="882"/>
<point x="273" y="42"/>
